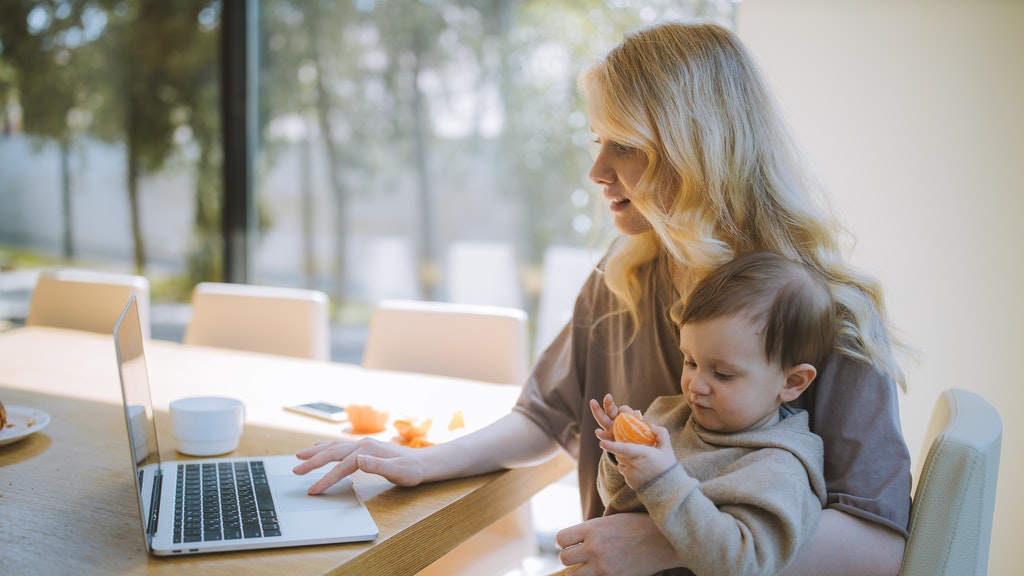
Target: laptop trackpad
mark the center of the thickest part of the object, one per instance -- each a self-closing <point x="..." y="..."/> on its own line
<point x="290" y="491"/>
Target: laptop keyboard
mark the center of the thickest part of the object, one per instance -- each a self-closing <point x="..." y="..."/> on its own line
<point x="223" y="501"/>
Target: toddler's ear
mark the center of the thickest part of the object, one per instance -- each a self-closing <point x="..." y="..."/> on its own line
<point x="798" y="378"/>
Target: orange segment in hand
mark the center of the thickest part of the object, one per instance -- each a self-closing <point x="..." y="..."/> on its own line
<point x="631" y="427"/>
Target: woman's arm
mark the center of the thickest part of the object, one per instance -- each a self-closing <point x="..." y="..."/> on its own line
<point x="511" y="442"/>
<point x="632" y="545"/>
<point x="844" y="544"/>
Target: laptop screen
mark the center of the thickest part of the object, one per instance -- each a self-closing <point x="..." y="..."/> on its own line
<point x="138" y="405"/>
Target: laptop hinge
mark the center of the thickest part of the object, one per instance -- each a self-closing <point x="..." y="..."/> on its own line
<point x="154" y="502"/>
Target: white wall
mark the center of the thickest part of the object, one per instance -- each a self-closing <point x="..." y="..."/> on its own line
<point x="912" y="112"/>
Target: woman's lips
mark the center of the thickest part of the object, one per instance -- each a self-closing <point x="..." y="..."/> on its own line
<point x="619" y="204"/>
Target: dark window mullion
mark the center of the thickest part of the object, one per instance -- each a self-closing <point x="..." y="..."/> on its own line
<point x="238" y="217"/>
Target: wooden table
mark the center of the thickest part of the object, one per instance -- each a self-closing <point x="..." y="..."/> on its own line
<point x="66" y="492"/>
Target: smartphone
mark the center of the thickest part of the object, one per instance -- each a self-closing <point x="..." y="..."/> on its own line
<point x="322" y="410"/>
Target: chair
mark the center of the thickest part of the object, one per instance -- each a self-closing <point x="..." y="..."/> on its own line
<point x="951" y="515"/>
<point x="565" y="270"/>
<point x="86" y="300"/>
<point x="483" y="273"/>
<point x="486" y="343"/>
<point x="268" y="319"/>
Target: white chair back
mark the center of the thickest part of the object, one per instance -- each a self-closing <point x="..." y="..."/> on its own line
<point x="951" y="515"/>
<point x="87" y="300"/>
<point x="268" y="319"/>
<point x="565" y="270"/>
<point x="487" y="343"/>
<point x="484" y="273"/>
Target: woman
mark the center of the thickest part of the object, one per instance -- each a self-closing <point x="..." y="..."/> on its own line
<point x="698" y="167"/>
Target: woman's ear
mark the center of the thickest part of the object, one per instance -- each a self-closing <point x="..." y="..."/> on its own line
<point x="798" y="378"/>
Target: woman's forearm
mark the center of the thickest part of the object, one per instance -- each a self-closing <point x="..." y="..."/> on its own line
<point x="844" y="544"/>
<point x="513" y="441"/>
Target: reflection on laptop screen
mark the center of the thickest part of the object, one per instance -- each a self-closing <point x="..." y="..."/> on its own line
<point x="131" y="363"/>
<point x="138" y="405"/>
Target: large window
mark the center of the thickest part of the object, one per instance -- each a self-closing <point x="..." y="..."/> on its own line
<point x="431" y="149"/>
<point x="110" y="153"/>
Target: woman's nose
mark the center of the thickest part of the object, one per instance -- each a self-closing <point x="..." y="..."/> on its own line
<point x="600" y="172"/>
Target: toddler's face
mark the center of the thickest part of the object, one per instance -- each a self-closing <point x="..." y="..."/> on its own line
<point x="727" y="379"/>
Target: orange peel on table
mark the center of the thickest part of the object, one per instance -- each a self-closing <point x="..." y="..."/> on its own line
<point x="412" y="432"/>
<point x="366" y="419"/>
<point x="417" y="442"/>
<point x="456" y="422"/>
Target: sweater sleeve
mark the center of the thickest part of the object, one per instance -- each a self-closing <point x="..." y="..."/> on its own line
<point x="723" y="526"/>
<point x="616" y="495"/>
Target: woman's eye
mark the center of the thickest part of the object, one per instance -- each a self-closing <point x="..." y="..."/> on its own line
<point x="616" y="146"/>
<point x="622" y="148"/>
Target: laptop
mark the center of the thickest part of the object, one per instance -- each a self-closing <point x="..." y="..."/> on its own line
<point x="221" y="504"/>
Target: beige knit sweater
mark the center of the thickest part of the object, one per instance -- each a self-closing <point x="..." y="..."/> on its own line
<point x="735" y="504"/>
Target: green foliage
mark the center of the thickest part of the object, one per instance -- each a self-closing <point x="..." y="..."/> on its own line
<point x="457" y="103"/>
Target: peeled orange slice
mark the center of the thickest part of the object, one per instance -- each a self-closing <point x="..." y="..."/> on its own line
<point x="631" y="427"/>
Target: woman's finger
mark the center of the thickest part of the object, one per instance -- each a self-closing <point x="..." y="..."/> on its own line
<point x="333" y="476"/>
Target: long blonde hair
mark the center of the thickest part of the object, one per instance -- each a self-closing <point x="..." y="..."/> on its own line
<point x="691" y="98"/>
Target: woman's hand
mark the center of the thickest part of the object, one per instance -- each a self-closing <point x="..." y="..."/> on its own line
<point x="399" y="464"/>
<point x="510" y="442"/>
<point x="619" y="545"/>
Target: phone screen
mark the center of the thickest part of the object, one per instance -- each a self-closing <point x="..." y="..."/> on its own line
<point x="325" y="407"/>
<point x="324" y="410"/>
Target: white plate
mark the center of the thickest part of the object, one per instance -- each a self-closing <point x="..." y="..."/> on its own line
<point x="22" y="421"/>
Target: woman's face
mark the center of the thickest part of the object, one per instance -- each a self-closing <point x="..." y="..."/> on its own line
<point x="617" y="169"/>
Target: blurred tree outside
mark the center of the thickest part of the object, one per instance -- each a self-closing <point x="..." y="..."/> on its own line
<point x="431" y="120"/>
<point x="433" y="103"/>
<point x="133" y="72"/>
<point x="48" y="58"/>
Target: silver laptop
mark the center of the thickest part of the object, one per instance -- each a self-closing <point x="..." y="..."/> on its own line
<point x="220" y="504"/>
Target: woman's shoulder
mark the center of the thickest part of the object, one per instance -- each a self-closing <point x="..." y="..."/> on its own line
<point x="847" y="386"/>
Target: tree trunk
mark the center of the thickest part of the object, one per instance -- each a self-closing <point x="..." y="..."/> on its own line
<point x="134" y="175"/>
<point x="65" y="198"/>
<point x="337" y="187"/>
<point x="427" y="257"/>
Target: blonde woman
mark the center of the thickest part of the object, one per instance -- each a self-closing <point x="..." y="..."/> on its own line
<point x="697" y="167"/>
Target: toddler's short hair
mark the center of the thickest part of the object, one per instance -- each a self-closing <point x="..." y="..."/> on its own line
<point x="790" y="304"/>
